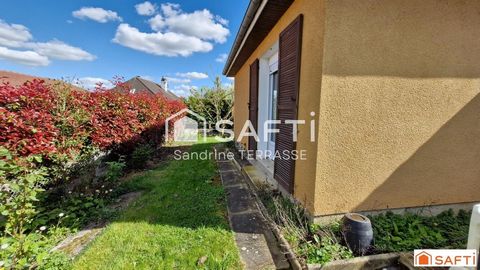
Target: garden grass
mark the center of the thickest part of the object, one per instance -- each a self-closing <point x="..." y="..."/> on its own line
<point x="179" y="220"/>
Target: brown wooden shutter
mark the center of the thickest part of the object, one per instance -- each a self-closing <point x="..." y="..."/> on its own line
<point x="253" y="103"/>
<point x="290" y="45"/>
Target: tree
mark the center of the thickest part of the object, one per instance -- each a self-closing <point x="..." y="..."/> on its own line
<point x="214" y="103"/>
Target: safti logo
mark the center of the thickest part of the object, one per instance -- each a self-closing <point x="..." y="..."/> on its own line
<point x="423" y="258"/>
<point x="445" y="257"/>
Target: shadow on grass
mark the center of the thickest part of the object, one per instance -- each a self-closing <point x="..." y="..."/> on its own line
<point x="179" y="221"/>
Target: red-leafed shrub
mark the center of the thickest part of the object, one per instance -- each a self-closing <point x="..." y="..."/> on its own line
<point x="61" y="123"/>
<point x="27" y="125"/>
<point x="49" y="132"/>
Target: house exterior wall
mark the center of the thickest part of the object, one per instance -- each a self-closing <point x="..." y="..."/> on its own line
<point x="400" y="105"/>
<point x="396" y="90"/>
<point x="309" y="94"/>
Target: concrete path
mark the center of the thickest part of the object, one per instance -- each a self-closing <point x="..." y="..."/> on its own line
<point x="257" y="244"/>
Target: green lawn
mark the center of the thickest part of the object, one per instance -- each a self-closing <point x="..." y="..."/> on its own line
<point x="180" y="218"/>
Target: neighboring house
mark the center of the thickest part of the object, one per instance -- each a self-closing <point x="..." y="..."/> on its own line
<point x="17" y="79"/>
<point x="394" y="87"/>
<point x="138" y="84"/>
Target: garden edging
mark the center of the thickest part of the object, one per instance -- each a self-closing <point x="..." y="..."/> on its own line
<point x="284" y="245"/>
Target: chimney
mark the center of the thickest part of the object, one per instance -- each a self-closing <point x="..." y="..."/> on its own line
<point x="164" y="83"/>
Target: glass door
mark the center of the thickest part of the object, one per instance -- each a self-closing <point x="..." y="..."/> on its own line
<point x="273" y="91"/>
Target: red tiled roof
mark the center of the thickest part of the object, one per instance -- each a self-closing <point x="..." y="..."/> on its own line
<point x="17" y="79"/>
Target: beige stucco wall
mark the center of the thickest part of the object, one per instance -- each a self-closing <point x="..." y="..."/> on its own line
<point x="400" y="105"/>
<point x="309" y="94"/>
<point x="396" y="89"/>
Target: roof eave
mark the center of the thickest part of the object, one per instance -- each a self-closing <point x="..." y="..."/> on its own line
<point x="241" y="34"/>
<point x="261" y="16"/>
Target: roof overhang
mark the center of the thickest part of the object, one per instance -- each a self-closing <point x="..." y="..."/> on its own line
<point x="260" y="18"/>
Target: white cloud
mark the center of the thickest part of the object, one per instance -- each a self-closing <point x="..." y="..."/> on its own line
<point x="193" y="75"/>
<point x="178" y="80"/>
<point x="97" y="14"/>
<point x="90" y="83"/>
<point x="201" y="23"/>
<point x="59" y="50"/>
<point x="146" y="8"/>
<point x="29" y="58"/>
<point x="167" y="44"/>
<point x="183" y="87"/>
<point x="175" y="32"/>
<point x="35" y="53"/>
<point x="180" y="93"/>
<point x="222" y="58"/>
<point x="13" y="35"/>
<point x="170" y="9"/>
<point x="157" y="23"/>
<point x="221" y="20"/>
<point x="183" y="90"/>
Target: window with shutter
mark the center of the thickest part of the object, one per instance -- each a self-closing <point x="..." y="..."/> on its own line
<point x="290" y="44"/>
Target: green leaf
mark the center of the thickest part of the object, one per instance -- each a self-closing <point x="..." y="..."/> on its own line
<point x="5" y="153"/>
<point x="396" y="239"/>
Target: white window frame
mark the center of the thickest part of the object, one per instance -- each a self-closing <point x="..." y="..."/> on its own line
<point x="269" y="57"/>
<point x="273" y="67"/>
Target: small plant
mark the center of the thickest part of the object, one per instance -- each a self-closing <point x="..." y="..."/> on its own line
<point x="392" y="232"/>
<point x="325" y="244"/>
<point x="74" y="210"/>
<point x="20" y="183"/>
<point x="38" y="245"/>
<point x="407" y="232"/>
<point x="140" y="155"/>
<point x="324" y="249"/>
<point x="114" y="170"/>
<point x="313" y="244"/>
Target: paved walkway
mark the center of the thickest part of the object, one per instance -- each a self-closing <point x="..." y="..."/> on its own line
<point x="257" y="244"/>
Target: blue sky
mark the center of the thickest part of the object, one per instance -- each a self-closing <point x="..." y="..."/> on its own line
<point x="96" y="40"/>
